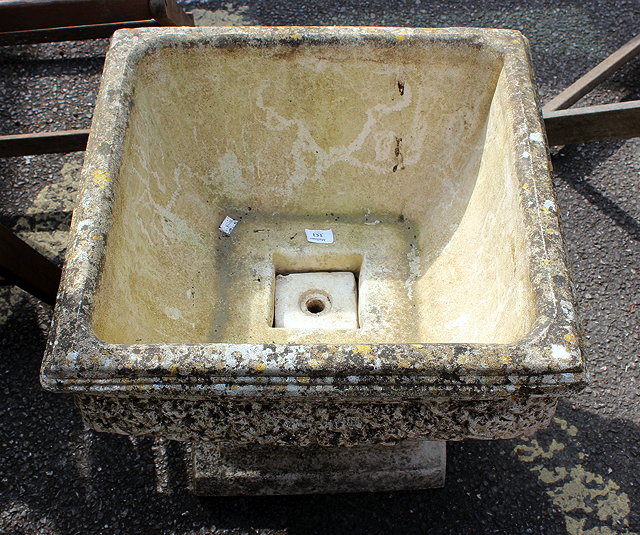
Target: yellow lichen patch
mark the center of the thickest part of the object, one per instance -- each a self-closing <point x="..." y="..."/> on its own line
<point x="403" y="363"/>
<point x="401" y="36"/>
<point x="550" y="476"/>
<point x="173" y="368"/>
<point x="576" y="526"/>
<point x="303" y="380"/>
<point x="261" y="366"/>
<point x="551" y="231"/>
<point x="525" y="186"/>
<point x="591" y="493"/>
<point x="96" y="237"/>
<point x="363" y="350"/>
<point x="417" y="346"/>
<point x="569" y="338"/>
<point x="465" y="359"/>
<point x="313" y="363"/>
<point x="576" y="492"/>
<point x="101" y="178"/>
<point x="234" y="387"/>
<point x="531" y="453"/>
<point x="296" y="36"/>
<point x="571" y="430"/>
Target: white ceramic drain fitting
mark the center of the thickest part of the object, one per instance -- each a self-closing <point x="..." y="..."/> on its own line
<point x="316" y="300"/>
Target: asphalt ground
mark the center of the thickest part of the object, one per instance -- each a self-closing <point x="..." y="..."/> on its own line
<point x="580" y="476"/>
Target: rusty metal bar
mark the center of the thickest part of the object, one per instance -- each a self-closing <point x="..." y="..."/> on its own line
<point x="43" y="143"/>
<point x="71" y="33"/>
<point x="593" y="123"/>
<point x="22" y="265"/>
<point x="20" y="15"/>
<point x="600" y="72"/>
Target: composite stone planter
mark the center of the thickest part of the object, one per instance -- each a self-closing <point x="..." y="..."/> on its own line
<point x="421" y="150"/>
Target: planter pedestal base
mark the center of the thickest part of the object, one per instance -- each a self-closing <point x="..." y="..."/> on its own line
<point x="228" y="470"/>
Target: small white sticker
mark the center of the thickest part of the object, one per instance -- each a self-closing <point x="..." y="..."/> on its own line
<point x="319" y="236"/>
<point x="228" y="225"/>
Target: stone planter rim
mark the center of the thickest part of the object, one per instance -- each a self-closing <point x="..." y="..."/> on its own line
<point x="548" y="361"/>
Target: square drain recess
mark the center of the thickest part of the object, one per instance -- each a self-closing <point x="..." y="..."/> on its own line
<point x="316" y="300"/>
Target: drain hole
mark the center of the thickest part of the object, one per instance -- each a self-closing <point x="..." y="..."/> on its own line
<point x="314" y="305"/>
<point x="315" y="302"/>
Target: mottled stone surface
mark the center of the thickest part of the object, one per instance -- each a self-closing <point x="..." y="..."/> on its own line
<point x="230" y="470"/>
<point x="284" y="423"/>
<point x="423" y="151"/>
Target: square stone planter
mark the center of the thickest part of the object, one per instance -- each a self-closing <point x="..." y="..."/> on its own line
<point x="420" y="150"/>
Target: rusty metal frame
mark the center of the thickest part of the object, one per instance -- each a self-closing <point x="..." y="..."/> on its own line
<point x="22" y="265"/>
<point x="38" y="21"/>
<point x="593" y="123"/>
<point x="24" y="15"/>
